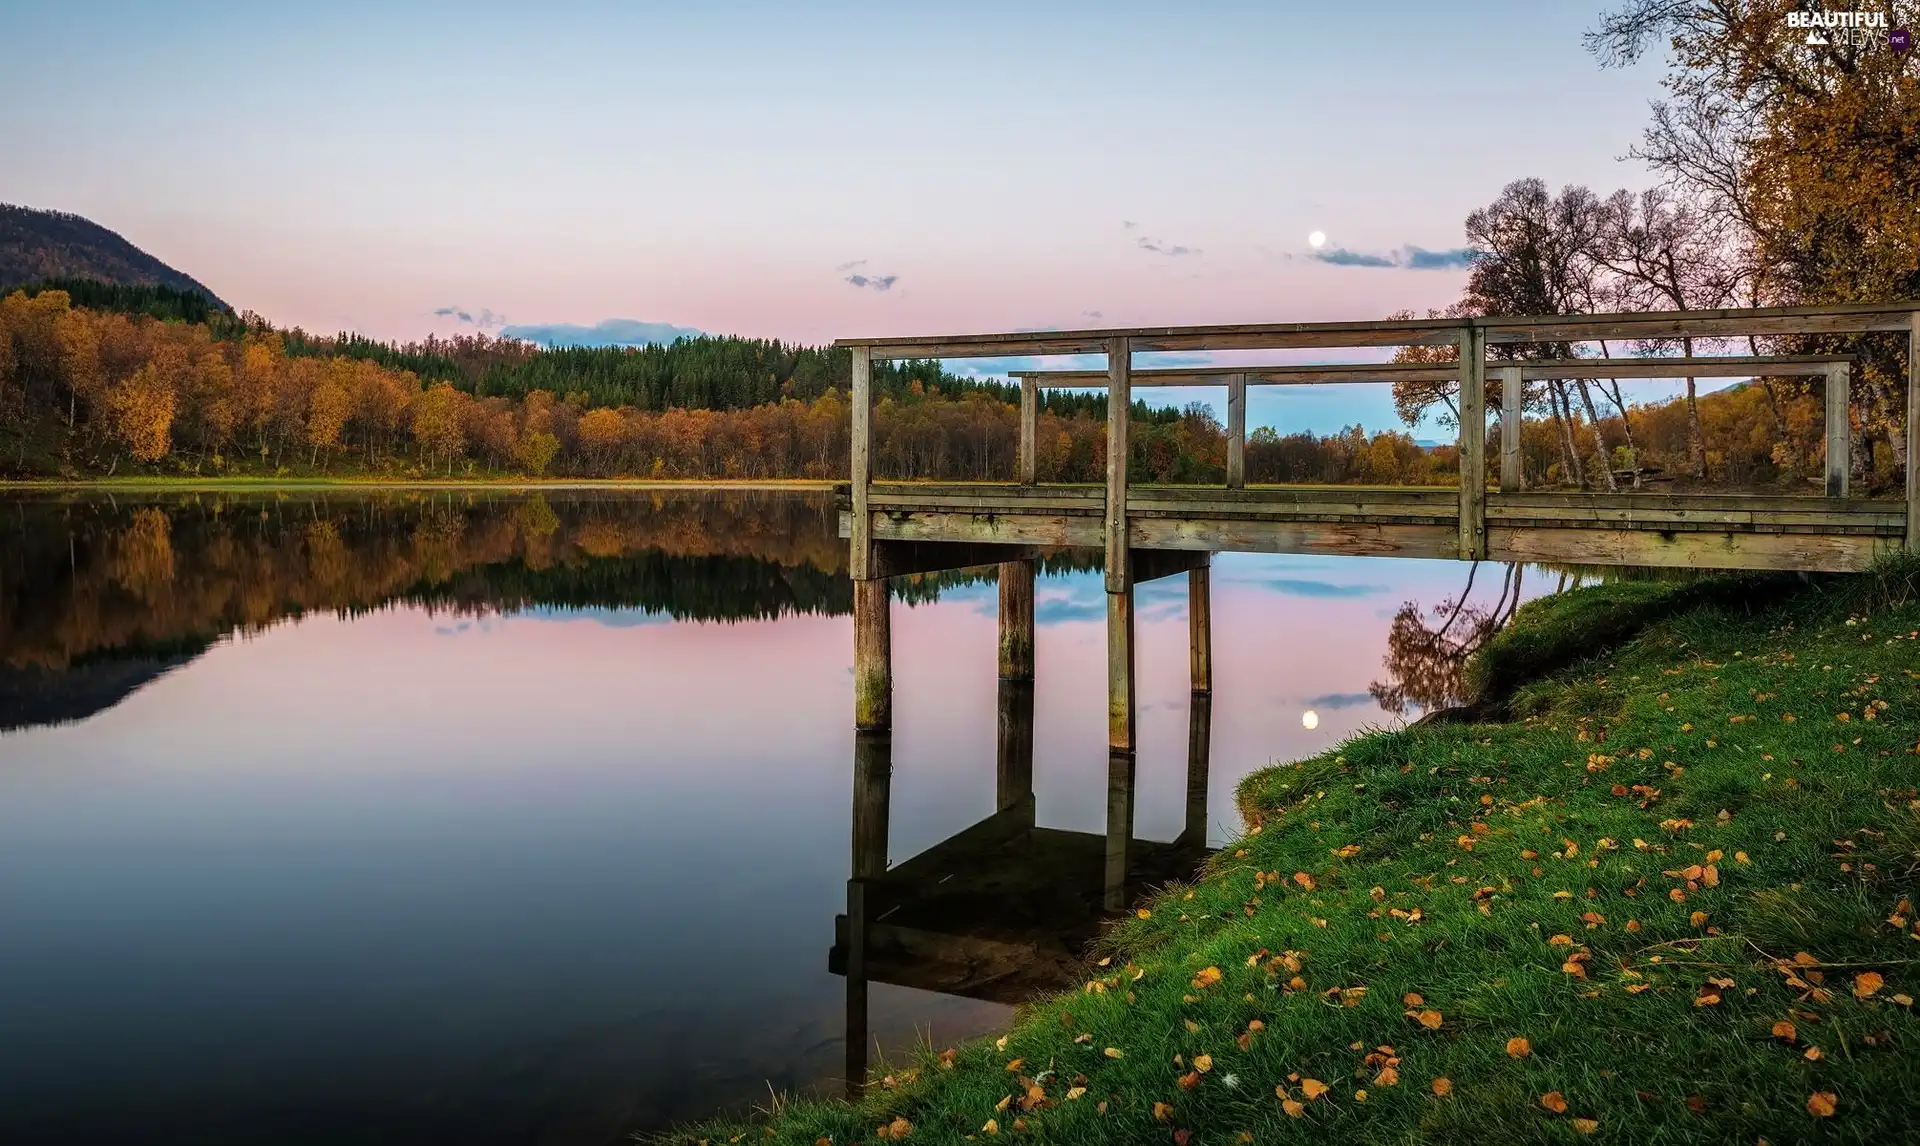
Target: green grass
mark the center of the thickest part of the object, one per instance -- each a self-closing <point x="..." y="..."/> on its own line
<point x="1471" y="865"/>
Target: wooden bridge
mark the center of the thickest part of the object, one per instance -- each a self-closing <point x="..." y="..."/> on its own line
<point x="1149" y="531"/>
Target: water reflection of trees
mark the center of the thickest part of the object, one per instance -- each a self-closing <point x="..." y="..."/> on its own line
<point x="1428" y="649"/>
<point x="86" y="577"/>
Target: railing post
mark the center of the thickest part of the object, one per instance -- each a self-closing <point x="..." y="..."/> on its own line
<point x="1236" y="431"/>
<point x="1913" y="431"/>
<point x="860" y="449"/>
<point x="1473" y="443"/>
<point x="1120" y="724"/>
<point x="1839" y="429"/>
<point x="1512" y="408"/>
<point x="1029" y="428"/>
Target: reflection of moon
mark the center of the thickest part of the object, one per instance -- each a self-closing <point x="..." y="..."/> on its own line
<point x="1309" y="719"/>
<point x="1317" y="240"/>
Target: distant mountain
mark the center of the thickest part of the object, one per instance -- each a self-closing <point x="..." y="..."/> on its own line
<point x="39" y="245"/>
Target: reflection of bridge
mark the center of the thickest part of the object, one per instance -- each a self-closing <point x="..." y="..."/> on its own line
<point x="1003" y="910"/>
<point x="1146" y="532"/>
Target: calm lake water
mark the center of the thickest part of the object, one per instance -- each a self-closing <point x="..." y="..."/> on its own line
<point x="452" y="818"/>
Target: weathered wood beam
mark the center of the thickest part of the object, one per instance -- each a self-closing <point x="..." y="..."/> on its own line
<point x="1029" y="429"/>
<point x="1119" y="406"/>
<point x="1200" y="624"/>
<point x="872" y="657"/>
<point x="1473" y="444"/>
<point x="1721" y="366"/>
<point x="860" y="555"/>
<point x="1236" y="430"/>
<point x="1690" y="324"/>
<point x="1359" y="540"/>
<point x="1016" y="620"/>
<point x="872" y="783"/>
<point x="1703" y="550"/>
<point x="1831" y="319"/>
<point x="1839" y="430"/>
<point x="1512" y="410"/>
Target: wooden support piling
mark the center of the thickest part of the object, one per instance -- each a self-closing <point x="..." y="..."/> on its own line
<point x="1016" y="620"/>
<point x="872" y="657"/>
<point x="1473" y="443"/>
<point x="1119" y="406"/>
<point x="872" y="785"/>
<point x="1236" y="431"/>
<point x="1120" y="723"/>
<point x="1029" y="429"/>
<point x="1120" y="786"/>
<point x="1199" y="763"/>
<point x="1013" y="757"/>
<point x="1839" y="430"/>
<point x="1200" y="626"/>
<point x="1512" y="408"/>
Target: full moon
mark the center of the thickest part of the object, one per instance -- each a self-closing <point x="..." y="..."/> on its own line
<point x="1309" y="719"/>
<point x="1316" y="240"/>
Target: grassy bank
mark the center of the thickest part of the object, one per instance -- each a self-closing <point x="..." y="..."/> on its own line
<point x="1670" y="899"/>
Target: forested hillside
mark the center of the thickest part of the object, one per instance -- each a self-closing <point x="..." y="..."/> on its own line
<point x="36" y="246"/>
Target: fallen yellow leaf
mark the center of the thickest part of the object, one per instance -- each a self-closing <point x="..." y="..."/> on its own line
<point x="1113" y="1052"/>
<point x="1002" y="1104"/>
<point x="1206" y="978"/>
<point x="1519" y="1047"/>
<point x="1313" y="1088"/>
<point x="1866" y="983"/>
<point x="1586" y="1125"/>
<point x="899" y="1128"/>
<point x="992" y="1127"/>
<point x="1429" y="1018"/>
<point x="1785" y="1030"/>
<point x="1412" y="999"/>
<point x="1016" y="1064"/>
<point x="1144" y="913"/>
<point x="1162" y="1112"/>
<point x="1555" y="1101"/>
<point x="1074" y="1093"/>
<point x="1203" y="1063"/>
<point x="1304" y="880"/>
<point x="1293" y="1109"/>
<point x="1821" y="1103"/>
<point x="1443" y="1086"/>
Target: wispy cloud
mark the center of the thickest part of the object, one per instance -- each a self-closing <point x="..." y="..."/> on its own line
<point x="1091" y="314"/>
<point x="1128" y="224"/>
<point x="845" y="267"/>
<point x="1409" y="257"/>
<point x="485" y="320"/>
<point x="1162" y="247"/>
<point x="872" y="282"/>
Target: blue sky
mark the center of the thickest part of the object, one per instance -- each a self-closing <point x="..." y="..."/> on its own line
<point x="809" y="171"/>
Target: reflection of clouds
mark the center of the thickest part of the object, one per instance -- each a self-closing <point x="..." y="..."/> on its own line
<point x="612" y="618"/>
<point x="1298" y="587"/>
<point x="1339" y="700"/>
